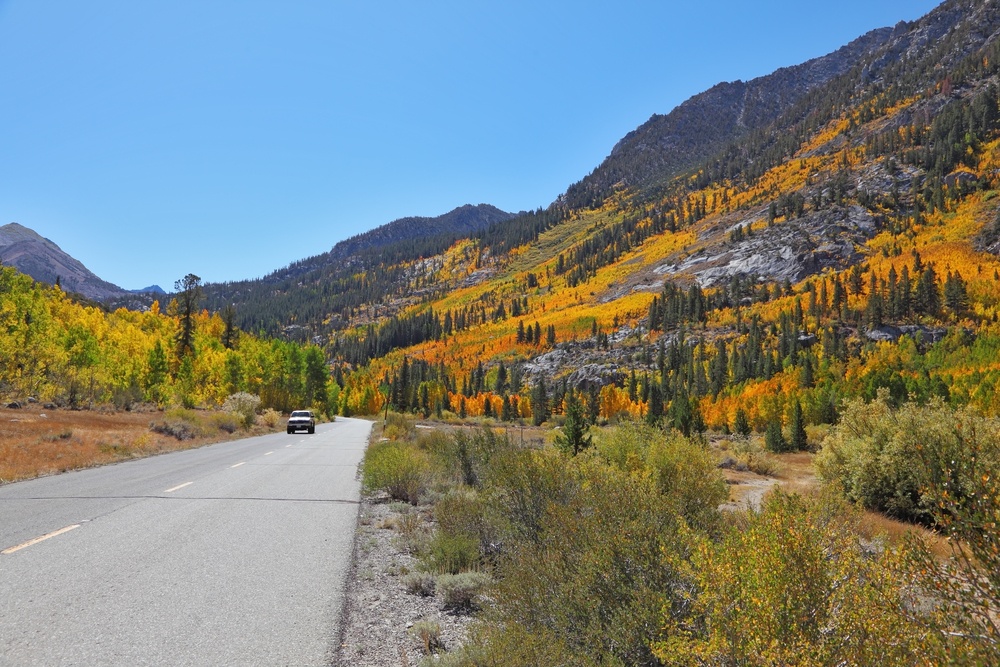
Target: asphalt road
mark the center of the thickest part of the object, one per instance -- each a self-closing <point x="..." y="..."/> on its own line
<point x="232" y="554"/>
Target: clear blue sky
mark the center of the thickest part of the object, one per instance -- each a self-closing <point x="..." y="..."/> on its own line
<point x="229" y="138"/>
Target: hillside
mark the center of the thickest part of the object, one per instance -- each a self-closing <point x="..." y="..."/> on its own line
<point x="323" y="292"/>
<point x="797" y="264"/>
<point x="44" y="261"/>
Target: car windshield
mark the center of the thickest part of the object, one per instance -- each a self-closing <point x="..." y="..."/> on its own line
<point x="302" y="413"/>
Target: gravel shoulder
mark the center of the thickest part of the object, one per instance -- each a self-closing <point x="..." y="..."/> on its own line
<point x="381" y="618"/>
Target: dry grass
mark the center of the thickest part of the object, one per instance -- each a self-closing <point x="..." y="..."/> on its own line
<point x="36" y="442"/>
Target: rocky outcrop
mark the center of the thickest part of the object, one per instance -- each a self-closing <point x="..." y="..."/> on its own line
<point x="788" y="250"/>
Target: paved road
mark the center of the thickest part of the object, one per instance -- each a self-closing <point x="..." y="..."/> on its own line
<point x="233" y="554"/>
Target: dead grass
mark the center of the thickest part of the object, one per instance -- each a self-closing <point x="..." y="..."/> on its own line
<point x="36" y="442"/>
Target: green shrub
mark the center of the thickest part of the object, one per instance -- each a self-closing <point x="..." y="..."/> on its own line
<point x="226" y="421"/>
<point x="399" y="427"/>
<point x="429" y="634"/>
<point x="460" y="591"/>
<point x="897" y="460"/>
<point x="587" y="587"/>
<point x="399" y="469"/>
<point x="180" y="423"/>
<point x="794" y="585"/>
<point x="420" y="583"/>
<point x="452" y="552"/>
<point x="684" y="470"/>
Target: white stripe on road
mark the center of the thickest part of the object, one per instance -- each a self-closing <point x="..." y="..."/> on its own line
<point x="269" y="453"/>
<point x="39" y="539"/>
<point x="179" y="486"/>
<point x="238" y="464"/>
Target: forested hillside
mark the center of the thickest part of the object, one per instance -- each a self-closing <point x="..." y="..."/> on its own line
<point x="845" y="248"/>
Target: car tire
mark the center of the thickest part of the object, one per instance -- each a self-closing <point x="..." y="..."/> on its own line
<point x="290" y="431"/>
<point x="312" y="429"/>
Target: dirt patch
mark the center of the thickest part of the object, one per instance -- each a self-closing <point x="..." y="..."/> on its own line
<point x="35" y="441"/>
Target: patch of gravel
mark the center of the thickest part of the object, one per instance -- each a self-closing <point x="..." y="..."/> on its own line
<point x="379" y="612"/>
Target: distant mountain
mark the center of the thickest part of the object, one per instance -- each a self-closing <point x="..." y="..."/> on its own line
<point x="667" y="145"/>
<point x="461" y="222"/>
<point x="324" y="288"/>
<point x="43" y="260"/>
<point x="152" y="289"/>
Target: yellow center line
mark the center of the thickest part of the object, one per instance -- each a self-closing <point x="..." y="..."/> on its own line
<point x="238" y="464"/>
<point x="179" y="486"/>
<point x="39" y="539"/>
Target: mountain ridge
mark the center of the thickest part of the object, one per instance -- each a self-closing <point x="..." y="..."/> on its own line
<point x="43" y="260"/>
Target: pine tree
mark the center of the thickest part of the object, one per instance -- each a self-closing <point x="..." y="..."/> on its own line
<point x="574" y="437"/>
<point x="774" y="439"/>
<point x="741" y="423"/>
<point x="539" y="403"/>
<point x="797" y="426"/>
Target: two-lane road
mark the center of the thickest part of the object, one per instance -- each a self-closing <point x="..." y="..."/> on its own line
<point x="232" y="554"/>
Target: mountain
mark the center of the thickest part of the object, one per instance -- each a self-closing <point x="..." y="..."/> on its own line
<point x="44" y="261"/>
<point x="461" y="222"/>
<point x="322" y="292"/>
<point x="152" y="289"/>
<point x="667" y="145"/>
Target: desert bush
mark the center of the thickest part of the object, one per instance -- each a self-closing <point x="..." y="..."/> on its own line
<point x="684" y="470"/>
<point x="461" y="591"/>
<point x="226" y="421"/>
<point x="420" y="583"/>
<point x="793" y="585"/>
<point x="399" y="427"/>
<point x="429" y="634"/>
<point x="451" y="553"/>
<point x="174" y="427"/>
<point x="243" y="405"/>
<point x="270" y="417"/>
<point x="588" y="587"/>
<point x="413" y="531"/>
<point x="751" y="454"/>
<point x="400" y="469"/>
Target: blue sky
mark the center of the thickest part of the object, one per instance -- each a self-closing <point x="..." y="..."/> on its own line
<point x="229" y="138"/>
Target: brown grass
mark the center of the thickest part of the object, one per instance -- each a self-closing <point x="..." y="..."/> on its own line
<point x="36" y="442"/>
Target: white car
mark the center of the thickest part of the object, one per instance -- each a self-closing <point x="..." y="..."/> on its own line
<point x="301" y="420"/>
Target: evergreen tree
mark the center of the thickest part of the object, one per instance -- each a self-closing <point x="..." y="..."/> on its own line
<point x="500" y="386"/>
<point x="774" y="439"/>
<point x="741" y="423"/>
<point x="797" y="426"/>
<point x="574" y="437"/>
<point x="539" y="403"/>
<point x="188" y="296"/>
<point x="654" y="412"/>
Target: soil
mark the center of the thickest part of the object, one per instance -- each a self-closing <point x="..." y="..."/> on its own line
<point x="36" y="441"/>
